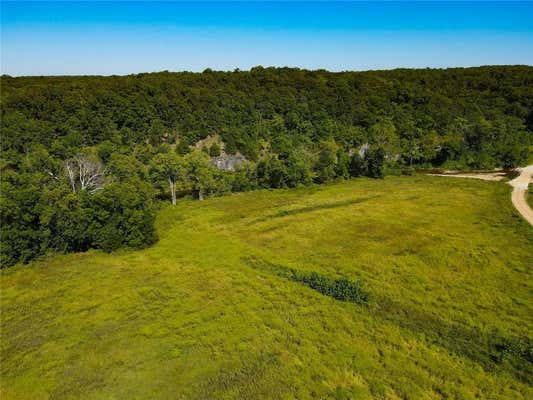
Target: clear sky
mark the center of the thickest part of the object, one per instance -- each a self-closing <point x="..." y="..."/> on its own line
<point x="65" y="38"/>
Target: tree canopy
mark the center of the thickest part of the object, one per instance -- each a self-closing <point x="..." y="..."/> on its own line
<point x="85" y="159"/>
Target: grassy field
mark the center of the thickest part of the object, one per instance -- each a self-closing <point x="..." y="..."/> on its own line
<point x="204" y="315"/>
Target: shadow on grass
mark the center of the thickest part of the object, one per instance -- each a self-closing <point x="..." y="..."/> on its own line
<point x="491" y="349"/>
<point x="235" y="377"/>
<point x="317" y="207"/>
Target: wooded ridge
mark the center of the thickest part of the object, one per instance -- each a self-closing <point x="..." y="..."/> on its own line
<point x="85" y="158"/>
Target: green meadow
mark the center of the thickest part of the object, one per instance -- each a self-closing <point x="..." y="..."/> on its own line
<point x="210" y="311"/>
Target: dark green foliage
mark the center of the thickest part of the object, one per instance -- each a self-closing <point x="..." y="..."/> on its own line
<point x="244" y="178"/>
<point x="342" y="167"/>
<point x="341" y="289"/>
<point x="121" y="215"/>
<point x="469" y="117"/>
<point x="156" y="132"/>
<point x="124" y="166"/>
<point x="356" y="167"/>
<point x="214" y="150"/>
<point x="296" y="127"/>
<point x="40" y="214"/>
<point x="327" y="161"/>
<point x="20" y="211"/>
<point x="183" y="147"/>
<point x="230" y="147"/>
<point x="271" y="173"/>
<point x="299" y="167"/>
<point x="517" y="351"/>
<point x="105" y="150"/>
<point x="375" y="160"/>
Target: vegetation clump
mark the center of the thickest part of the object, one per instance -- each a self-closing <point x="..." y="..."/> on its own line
<point x="341" y="289"/>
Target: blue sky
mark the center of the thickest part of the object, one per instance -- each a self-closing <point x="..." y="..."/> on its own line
<point x="67" y="38"/>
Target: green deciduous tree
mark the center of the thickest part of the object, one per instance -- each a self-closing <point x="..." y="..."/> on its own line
<point x="327" y="160"/>
<point x="375" y="160"/>
<point x="200" y="174"/>
<point x="168" y="169"/>
<point x="383" y="135"/>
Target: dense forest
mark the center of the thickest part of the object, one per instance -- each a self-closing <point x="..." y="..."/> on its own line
<point x="85" y="160"/>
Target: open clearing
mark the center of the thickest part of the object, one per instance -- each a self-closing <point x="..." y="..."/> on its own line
<point x="447" y="264"/>
<point x="520" y="186"/>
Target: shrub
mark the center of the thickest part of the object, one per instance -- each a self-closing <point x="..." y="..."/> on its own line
<point x="214" y="150"/>
<point x="341" y="289"/>
<point x="122" y="215"/>
<point x="375" y="161"/>
<point x="357" y="167"/>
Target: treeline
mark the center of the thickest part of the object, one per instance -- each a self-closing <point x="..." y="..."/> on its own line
<point x="84" y="159"/>
<point x="105" y="197"/>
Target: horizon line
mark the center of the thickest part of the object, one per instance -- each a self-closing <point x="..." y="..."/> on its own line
<point x="236" y="70"/>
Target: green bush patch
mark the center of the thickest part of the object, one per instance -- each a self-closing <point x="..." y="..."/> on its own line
<point x="341" y="289"/>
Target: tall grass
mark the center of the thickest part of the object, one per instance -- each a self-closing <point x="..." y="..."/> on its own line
<point x="445" y="310"/>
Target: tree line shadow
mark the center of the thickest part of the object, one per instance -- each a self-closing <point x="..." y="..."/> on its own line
<point x="311" y="208"/>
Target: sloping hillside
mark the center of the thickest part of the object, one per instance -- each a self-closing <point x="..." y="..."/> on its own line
<point x="211" y="312"/>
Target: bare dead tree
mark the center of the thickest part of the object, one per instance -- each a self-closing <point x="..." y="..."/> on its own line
<point x="85" y="172"/>
<point x="70" y="169"/>
<point x="53" y="176"/>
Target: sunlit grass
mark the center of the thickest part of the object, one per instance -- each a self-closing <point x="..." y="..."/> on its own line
<point x="446" y="262"/>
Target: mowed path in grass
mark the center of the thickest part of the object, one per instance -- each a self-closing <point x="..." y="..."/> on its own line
<point x="447" y="264"/>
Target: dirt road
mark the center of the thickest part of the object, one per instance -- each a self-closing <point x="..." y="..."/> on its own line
<point x="520" y="185"/>
<point x="485" y="176"/>
<point x="518" y="197"/>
